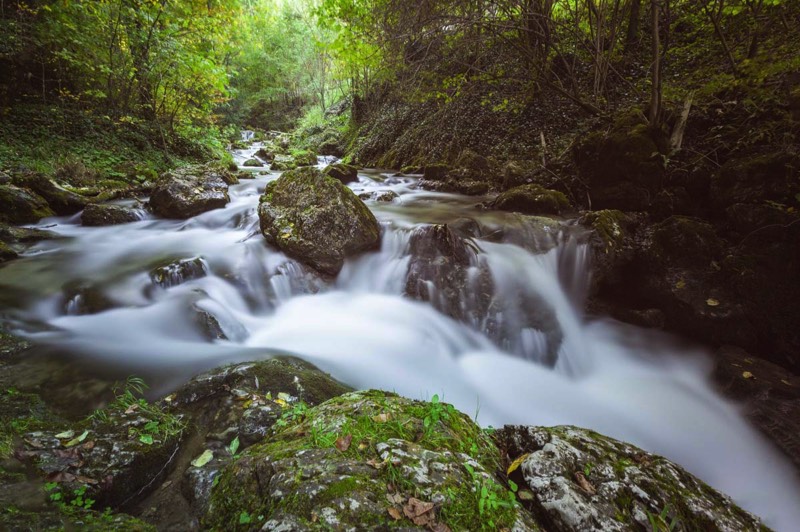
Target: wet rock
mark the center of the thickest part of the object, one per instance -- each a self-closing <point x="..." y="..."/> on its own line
<point x="685" y="241"/>
<point x="189" y="191"/>
<point x="282" y="163"/>
<point x="623" y="167"/>
<point x="265" y="154"/>
<point x="437" y="271"/>
<point x="13" y="235"/>
<point x="411" y="170"/>
<point x="62" y="201"/>
<point x="84" y="297"/>
<point x="208" y="324"/>
<point x="532" y="199"/>
<point x="252" y="162"/>
<point x="316" y="219"/>
<point x="576" y="479"/>
<point x="20" y="206"/>
<point x="244" y="174"/>
<point x="384" y="196"/>
<point x="305" y="159"/>
<point x="435" y="172"/>
<point x="100" y="215"/>
<point x="769" y="394"/>
<point x="366" y="459"/>
<point x="179" y="272"/>
<point x="515" y="174"/>
<point x="343" y="172"/>
<point x="6" y="253"/>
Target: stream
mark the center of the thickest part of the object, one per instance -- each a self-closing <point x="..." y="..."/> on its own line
<point x="503" y="366"/>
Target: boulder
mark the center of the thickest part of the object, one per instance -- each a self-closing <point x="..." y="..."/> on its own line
<point x="435" y="172"/>
<point x="179" y="272"/>
<point x="577" y="479"/>
<point x="189" y="191"/>
<point x="282" y="163"/>
<point x="768" y="393"/>
<point x="100" y="215"/>
<point x="624" y="167"/>
<point x="383" y="196"/>
<point x="21" y="206"/>
<point x="532" y="199"/>
<point x="265" y="154"/>
<point x="307" y="158"/>
<point x="6" y="253"/>
<point x="252" y="162"/>
<point x="84" y="297"/>
<point x="756" y="179"/>
<point x="368" y="460"/>
<point x="316" y="219"/>
<point x="62" y="201"/>
<point x="343" y="172"/>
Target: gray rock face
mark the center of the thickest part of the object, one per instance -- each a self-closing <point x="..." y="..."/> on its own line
<point x="179" y="272"/>
<point x="576" y="479"/>
<point x="20" y="206"/>
<point x="189" y="191"/>
<point x="100" y="215"/>
<point x="316" y="219"/>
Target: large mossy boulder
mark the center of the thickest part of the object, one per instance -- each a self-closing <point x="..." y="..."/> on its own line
<point x="282" y="163"/>
<point x="756" y="179"/>
<point x="62" y="201"/>
<point x="21" y="206"/>
<point x="368" y="460"/>
<point x="625" y="166"/>
<point x="95" y="215"/>
<point x="345" y="173"/>
<point x="316" y="219"/>
<point x="577" y="479"/>
<point x="190" y="191"/>
<point x="532" y="199"/>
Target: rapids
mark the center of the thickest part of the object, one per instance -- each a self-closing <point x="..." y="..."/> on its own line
<point x="625" y="382"/>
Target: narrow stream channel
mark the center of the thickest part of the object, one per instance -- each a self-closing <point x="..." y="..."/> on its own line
<point x="528" y="356"/>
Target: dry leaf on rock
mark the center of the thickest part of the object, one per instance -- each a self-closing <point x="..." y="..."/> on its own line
<point x="343" y="443"/>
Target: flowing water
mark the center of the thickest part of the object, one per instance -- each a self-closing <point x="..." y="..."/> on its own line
<point x="502" y="366"/>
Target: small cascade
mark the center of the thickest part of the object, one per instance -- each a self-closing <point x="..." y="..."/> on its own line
<point x="481" y="307"/>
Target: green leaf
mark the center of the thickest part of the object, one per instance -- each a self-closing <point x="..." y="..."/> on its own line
<point x="234" y="446"/>
<point x="203" y="459"/>
<point x="147" y="439"/>
<point x="244" y="518"/>
<point x="77" y="440"/>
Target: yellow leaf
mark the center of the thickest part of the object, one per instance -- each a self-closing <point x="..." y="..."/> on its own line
<point x="516" y="463"/>
<point x="381" y="418"/>
<point x="680" y="284"/>
<point x="711" y="302"/>
<point x="747" y="375"/>
<point x="203" y="459"/>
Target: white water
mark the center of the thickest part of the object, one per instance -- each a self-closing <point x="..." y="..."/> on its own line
<point x="618" y="380"/>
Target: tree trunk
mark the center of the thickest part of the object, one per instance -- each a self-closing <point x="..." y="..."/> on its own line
<point x="632" y="36"/>
<point x="655" y="80"/>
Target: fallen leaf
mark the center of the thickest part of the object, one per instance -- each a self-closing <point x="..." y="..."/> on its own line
<point x="747" y="375"/>
<point x="525" y="495"/>
<point x="584" y="484"/>
<point x="395" y="498"/>
<point x="343" y="443"/>
<point x="381" y="418"/>
<point x="146" y="439"/>
<point x="204" y="458"/>
<point x="283" y="396"/>
<point x="377" y="464"/>
<point x="362" y="446"/>
<point x="711" y="302"/>
<point x="76" y="441"/>
<point x="86" y="480"/>
<point x="516" y="463"/>
<point x="440" y="527"/>
<point x="133" y="408"/>
<point x="66" y="434"/>
<point x="395" y="513"/>
<point x="89" y="445"/>
<point x="787" y="383"/>
<point x="416" y="508"/>
<point x="680" y="284"/>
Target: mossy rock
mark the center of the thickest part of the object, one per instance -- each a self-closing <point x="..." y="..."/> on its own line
<point x="577" y="479"/>
<point x="252" y="162"/>
<point x="345" y="173"/>
<point x="755" y="179"/>
<point x="179" y="272"/>
<point x="101" y="215"/>
<point x="189" y="191"/>
<point x="316" y="219"/>
<point x="307" y="158"/>
<point x="282" y="163"/>
<point x="532" y="199"/>
<point x="361" y="459"/>
<point x="435" y="172"/>
<point x="20" y="206"/>
<point x="56" y="519"/>
<point x="6" y="253"/>
<point x="62" y="201"/>
<point x="685" y="241"/>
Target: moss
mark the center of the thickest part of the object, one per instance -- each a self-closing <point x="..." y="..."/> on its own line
<point x="532" y="199"/>
<point x="609" y="226"/>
